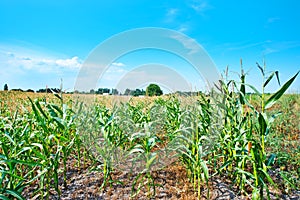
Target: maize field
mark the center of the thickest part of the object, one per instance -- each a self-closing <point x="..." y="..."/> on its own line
<point x="225" y="144"/>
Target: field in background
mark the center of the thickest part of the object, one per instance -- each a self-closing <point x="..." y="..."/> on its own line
<point x="45" y="137"/>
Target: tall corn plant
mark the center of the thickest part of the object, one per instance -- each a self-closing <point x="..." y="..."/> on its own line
<point x="193" y="143"/>
<point x="235" y="132"/>
<point x="242" y="138"/>
<point x="17" y="169"/>
<point x="261" y="162"/>
<point x="173" y="118"/>
<point x="54" y="142"/>
<point x="30" y="151"/>
<point x="103" y="138"/>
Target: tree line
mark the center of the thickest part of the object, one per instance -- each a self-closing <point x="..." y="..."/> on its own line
<point x="151" y="90"/>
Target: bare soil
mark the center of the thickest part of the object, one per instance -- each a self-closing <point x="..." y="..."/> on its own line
<point x="174" y="184"/>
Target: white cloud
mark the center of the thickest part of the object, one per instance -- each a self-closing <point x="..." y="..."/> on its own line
<point x="274" y="47"/>
<point x="269" y="51"/>
<point x="171" y="14"/>
<point x="189" y="43"/>
<point x="183" y="28"/>
<point x="180" y="17"/>
<point x="115" y="70"/>
<point x="43" y="65"/>
<point x="69" y="63"/>
<point x="118" y="64"/>
<point x="271" y="21"/>
<point x="10" y="54"/>
<point x="28" y="68"/>
<point x="200" y="6"/>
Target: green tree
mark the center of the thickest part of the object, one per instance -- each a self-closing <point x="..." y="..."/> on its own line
<point x="114" y="91"/>
<point x="153" y="90"/>
<point x="5" y="87"/>
<point x="127" y="92"/>
<point x="92" y="91"/>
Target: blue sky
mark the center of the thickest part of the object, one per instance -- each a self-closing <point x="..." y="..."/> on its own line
<point x="42" y="42"/>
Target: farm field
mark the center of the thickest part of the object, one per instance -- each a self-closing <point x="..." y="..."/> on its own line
<point x="219" y="146"/>
<point x="149" y="100"/>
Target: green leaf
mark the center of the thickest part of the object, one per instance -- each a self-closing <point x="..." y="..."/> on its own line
<point x="271" y="159"/>
<point x="277" y="76"/>
<point x="268" y="177"/>
<point x="254" y="89"/>
<point x="273" y="99"/>
<point x="24" y="149"/>
<point x="38" y="105"/>
<point x="269" y="79"/>
<point x="51" y="111"/>
<point x="15" y="194"/>
<point x="10" y="139"/>
<point x="59" y="122"/>
<point x="136" y="150"/>
<point x="262" y="124"/>
<point x="242" y="88"/>
<point x="33" y="164"/>
<point x="4" y="197"/>
<point x="150" y="161"/>
<point x="205" y="170"/>
<point x="34" y="109"/>
<point x="261" y="69"/>
<point x="57" y="108"/>
<point x="57" y="95"/>
<point x="241" y="171"/>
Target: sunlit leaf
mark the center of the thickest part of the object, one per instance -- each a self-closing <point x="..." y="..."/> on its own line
<point x="273" y="99"/>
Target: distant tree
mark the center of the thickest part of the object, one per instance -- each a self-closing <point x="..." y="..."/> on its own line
<point x="127" y="92"/>
<point x="138" y="92"/>
<point x="17" y="90"/>
<point x="41" y="90"/>
<point x="29" y="90"/>
<point x="153" y="90"/>
<point x="92" y="91"/>
<point x="99" y="91"/>
<point x="5" y="87"/>
<point x="106" y="90"/>
<point x="114" y="92"/>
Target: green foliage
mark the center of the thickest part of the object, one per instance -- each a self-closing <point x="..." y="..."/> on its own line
<point x="153" y="90"/>
<point x="5" y="87"/>
<point x="229" y="134"/>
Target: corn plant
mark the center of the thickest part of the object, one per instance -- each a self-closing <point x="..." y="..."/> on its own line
<point x="260" y="163"/>
<point x="193" y="145"/>
<point x="143" y="159"/>
<point x="47" y="150"/>
<point x="173" y="118"/>
<point x="235" y="134"/>
<point x="104" y="139"/>
<point x="16" y="167"/>
<point x="242" y="140"/>
<point x="226" y="133"/>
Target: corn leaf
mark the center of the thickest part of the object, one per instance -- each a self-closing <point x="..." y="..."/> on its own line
<point x="262" y="123"/>
<point x="15" y="194"/>
<point x="273" y="99"/>
<point x="270" y="78"/>
<point x="4" y="197"/>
